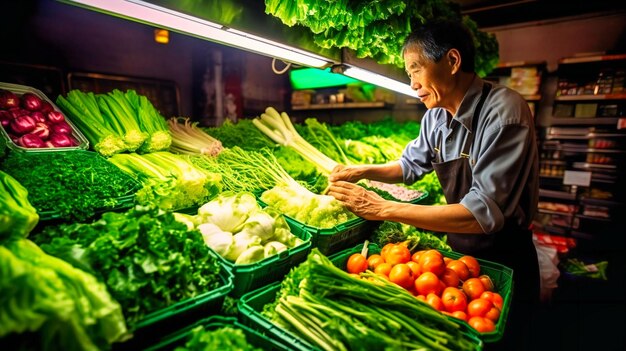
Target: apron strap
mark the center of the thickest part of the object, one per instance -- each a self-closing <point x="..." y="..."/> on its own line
<point x="469" y="141"/>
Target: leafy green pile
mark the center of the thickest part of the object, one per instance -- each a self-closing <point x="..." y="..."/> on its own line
<point x="375" y="28"/>
<point x="17" y="216"/>
<point x="394" y="232"/>
<point x="146" y="258"/>
<point x="169" y="181"/>
<point x="224" y="338"/>
<point x="46" y="304"/>
<point x="74" y="185"/>
<point x="579" y="268"/>
<point x="332" y="310"/>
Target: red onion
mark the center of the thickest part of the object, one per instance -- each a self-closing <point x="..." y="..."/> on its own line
<point x="23" y="124"/>
<point x="41" y="130"/>
<point x="61" y="128"/>
<point x="30" y="141"/>
<point x="55" y="117"/>
<point x="46" y="107"/>
<point x="62" y="140"/>
<point x="31" y="102"/>
<point x="16" y="112"/>
<point x="5" y="118"/>
<point x="38" y="116"/>
<point x="8" y="100"/>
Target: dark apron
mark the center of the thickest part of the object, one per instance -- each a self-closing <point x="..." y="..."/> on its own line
<point x="512" y="246"/>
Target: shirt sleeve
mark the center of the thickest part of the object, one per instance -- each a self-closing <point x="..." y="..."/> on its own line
<point x="500" y="173"/>
<point x="416" y="159"/>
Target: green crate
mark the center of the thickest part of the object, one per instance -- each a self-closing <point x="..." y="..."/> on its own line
<point x="248" y="277"/>
<point x="501" y="276"/>
<point x="169" y="319"/>
<point x="251" y="305"/>
<point x="253" y="337"/>
<point x="339" y="237"/>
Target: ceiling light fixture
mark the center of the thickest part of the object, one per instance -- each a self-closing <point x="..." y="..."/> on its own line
<point x="158" y="16"/>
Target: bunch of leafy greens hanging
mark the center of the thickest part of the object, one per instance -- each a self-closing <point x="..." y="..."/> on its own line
<point x="74" y="185"/>
<point x="377" y="29"/>
<point x="146" y="258"/>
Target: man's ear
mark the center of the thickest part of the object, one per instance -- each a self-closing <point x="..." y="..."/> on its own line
<point x="454" y="59"/>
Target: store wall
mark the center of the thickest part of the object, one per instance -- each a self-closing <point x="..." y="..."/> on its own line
<point x="50" y="33"/>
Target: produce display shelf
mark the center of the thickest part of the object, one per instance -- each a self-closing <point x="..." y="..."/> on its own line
<point x="169" y="319"/>
<point x="250" y="308"/>
<point x="501" y="276"/>
<point x="254" y="338"/>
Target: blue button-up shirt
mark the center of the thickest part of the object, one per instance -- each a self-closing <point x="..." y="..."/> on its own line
<point x="503" y="157"/>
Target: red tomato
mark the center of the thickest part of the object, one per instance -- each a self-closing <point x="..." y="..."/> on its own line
<point x="493" y="314"/>
<point x="494" y="297"/>
<point x="427" y="283"/>
<point x="383" y="269"/>
<point x="460" y="268"/>
<point x="435" y="301"/>
<point x="383" y="251"/>
<point x="402" y="275"/>
<point x="460" y="315"/>
<point x="357" y="263"/>
<point x="487" y="282"/>
<point x="397" y="254"/>
<point x="473" y="288"/>
<point x="416" y="256"/>
<point x="479" y="307"/>
<point x="374" y="260"/>
<point x="432" y="261"/>
<point x="450" y="278"/>
<point x="453" y="299"/>
<point x="482" y="324"/>
<point x="415" y="267"/>
<point x="472" y="264"/>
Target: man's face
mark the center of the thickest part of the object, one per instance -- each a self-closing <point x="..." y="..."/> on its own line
<point x="431" y="80"/>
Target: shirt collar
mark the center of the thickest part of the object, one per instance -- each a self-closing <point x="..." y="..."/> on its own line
<point x="465" y="112"/>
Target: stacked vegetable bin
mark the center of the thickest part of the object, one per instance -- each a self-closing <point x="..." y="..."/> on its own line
<point x="169" y="239"/>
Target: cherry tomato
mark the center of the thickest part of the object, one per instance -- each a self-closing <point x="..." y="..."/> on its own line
<point x="494" y="297"/>
<point x="357" y="263"/>
<point x="460" y="268"/>
<point x="374" y="260"/>
<point x="479" y="307"/>
<point x="472" y="264"/>
<point x="427" y="283"/>
<point x="402" y="275"/>
<point x="454" y="299"/>
<point x="473" y="288"/>
<point x="460" y="315"/>
<point x="482" y="324"/>
<point x="450" y="278"/>
<point x="434" y="301"/>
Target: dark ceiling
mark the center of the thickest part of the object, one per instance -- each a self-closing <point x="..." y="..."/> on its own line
<point x="494" y="13"/>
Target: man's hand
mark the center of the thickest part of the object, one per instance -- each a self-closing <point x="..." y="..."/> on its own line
<point x="363" y="203"/>
<point x="350" y="174"/>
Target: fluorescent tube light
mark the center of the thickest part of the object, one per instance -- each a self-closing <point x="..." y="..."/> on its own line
<point x="379" y="80"/>
<point x="165" y="18"/>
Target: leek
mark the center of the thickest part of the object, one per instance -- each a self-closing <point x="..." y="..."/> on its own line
<point x="187" y="138"/>
<point x="280" y="129"/>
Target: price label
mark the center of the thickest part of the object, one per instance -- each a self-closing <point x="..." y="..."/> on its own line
<point x="577" y="178"/>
